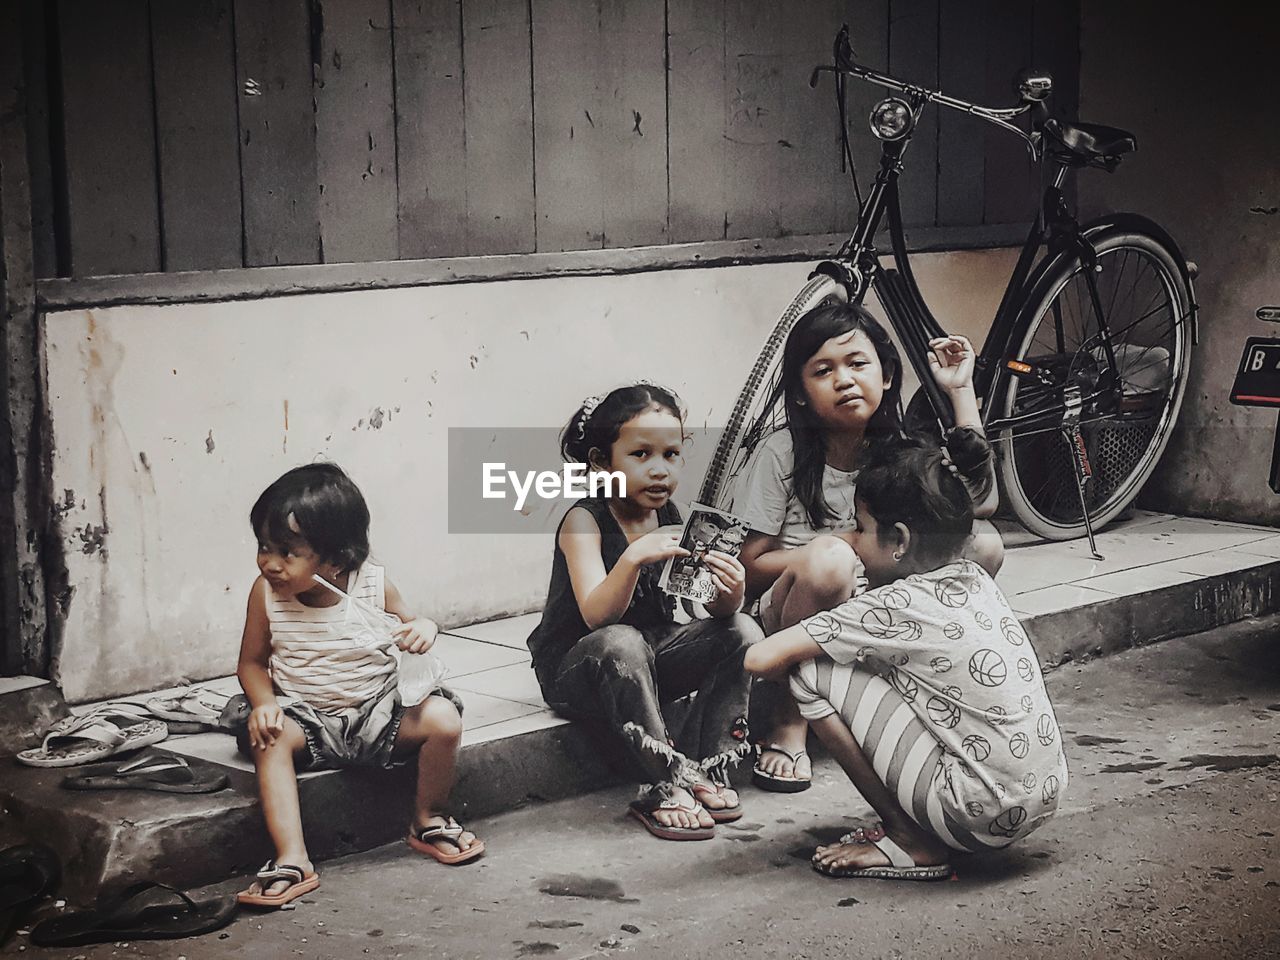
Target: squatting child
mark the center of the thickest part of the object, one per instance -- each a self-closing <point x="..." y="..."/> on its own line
<point x="924" y="688"/>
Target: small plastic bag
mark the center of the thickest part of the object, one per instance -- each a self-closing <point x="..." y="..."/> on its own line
<point x="417" y="674"/>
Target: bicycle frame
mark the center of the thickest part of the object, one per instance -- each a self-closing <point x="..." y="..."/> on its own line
<point x="857" y="267"/>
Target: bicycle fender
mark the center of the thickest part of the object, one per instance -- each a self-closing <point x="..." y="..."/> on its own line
<point x="1136" y="221"/>
<point x="1121" y="221"/>
<point x="1113" y="221"/>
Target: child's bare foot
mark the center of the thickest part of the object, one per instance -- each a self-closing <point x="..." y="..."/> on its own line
<point x="783" y="765"/>
<point x="840" y="858"/>
<point x="690" y="814"/>
<point x="444" y="839"/>
<point x="719" y="800"/>
<point x="671" y="813"/>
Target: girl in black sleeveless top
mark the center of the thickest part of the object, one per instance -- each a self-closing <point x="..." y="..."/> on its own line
<point x="608" y="648"/>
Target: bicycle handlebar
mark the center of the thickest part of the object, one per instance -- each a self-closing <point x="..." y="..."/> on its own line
<point x="845" y="63"/>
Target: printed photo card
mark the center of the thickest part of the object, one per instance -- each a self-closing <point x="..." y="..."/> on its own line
<point x="706" y="528"/>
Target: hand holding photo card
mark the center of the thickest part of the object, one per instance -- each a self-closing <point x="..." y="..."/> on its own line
<point x="706" y="528"/>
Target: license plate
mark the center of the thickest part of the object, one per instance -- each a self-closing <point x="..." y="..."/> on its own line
<point x="1258" y="379"/>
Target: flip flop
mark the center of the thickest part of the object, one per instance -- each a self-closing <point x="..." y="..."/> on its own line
<point x="774" y="783"/>
<point x="163" y="773"/>
<point x="900" y="866"/>
<point x="420" y="840"/>
<point x="718" y="814"/>
<point x="124" y="917"/>
<point x="196" y="709"/>
<point x="659" y="798"/>
<point x="95" y="735"/>
<point x="27" y="874"/>
<point x="300" y="884"/>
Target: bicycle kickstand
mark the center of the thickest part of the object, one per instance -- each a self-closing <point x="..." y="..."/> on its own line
<point x="1080" y="461"/>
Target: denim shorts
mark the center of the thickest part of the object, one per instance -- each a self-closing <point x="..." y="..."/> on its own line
<point x="361" y="736"/>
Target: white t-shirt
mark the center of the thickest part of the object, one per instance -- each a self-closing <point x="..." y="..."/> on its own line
<point x="765" y="496"/>
<point x="952" y="647"/>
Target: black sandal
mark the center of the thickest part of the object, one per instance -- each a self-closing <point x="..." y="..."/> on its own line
<point x="121" y="917"/>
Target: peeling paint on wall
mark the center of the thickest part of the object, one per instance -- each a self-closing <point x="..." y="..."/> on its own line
<point x="93" y="538"/>
<point x="65" y="506"/>
<point x="209" y="445"/>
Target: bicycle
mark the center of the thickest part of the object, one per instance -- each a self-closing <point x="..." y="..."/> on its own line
<point x="1082" y="374"/>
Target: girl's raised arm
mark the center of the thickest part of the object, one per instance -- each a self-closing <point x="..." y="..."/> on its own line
<point x="951" y="360"/>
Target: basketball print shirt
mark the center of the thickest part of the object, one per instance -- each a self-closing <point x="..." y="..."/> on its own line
<point x="955" y="652"/>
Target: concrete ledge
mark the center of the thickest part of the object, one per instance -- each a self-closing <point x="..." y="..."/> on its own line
<point x="517" y="754"/>
<point x="108" y="839"/>
<point x="1160" y="614"/>
<point x="28" y="707"/>
<point x="202" y="286"/>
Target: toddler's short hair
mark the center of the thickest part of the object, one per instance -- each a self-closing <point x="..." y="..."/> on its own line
<point x="327" y="510"/>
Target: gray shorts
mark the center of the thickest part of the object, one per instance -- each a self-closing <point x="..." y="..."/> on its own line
<point x="362" y="736"/>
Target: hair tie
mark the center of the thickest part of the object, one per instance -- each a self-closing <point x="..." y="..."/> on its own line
<point x="588" y="408"/>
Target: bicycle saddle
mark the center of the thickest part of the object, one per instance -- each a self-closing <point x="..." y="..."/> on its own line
<point x="1091" y="143"/>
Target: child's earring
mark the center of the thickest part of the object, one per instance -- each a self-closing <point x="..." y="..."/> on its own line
<point x="897" y="556"/>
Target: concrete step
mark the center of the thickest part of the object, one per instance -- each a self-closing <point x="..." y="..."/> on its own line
<point x="1161" y="577"/>
<point x="28" y="707"/>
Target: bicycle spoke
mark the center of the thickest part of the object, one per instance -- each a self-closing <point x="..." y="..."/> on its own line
<point x="1127" y="415"/>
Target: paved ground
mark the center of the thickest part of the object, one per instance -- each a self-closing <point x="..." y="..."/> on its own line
<point x="1166" y="847"/>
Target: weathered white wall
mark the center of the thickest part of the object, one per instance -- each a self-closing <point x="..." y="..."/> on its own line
<point x="168" y="422"/>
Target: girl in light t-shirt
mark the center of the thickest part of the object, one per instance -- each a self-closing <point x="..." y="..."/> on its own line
<point x="841" y="384"/>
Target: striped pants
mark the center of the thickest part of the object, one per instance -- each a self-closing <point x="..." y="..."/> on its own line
<point x="908" y="760"/>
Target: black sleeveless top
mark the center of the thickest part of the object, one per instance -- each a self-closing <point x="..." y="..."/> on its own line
<point x="562" y="625"/>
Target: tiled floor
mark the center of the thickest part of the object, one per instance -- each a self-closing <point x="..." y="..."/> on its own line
<point x="1144" y="552"/>
<point x="489" y="662"/>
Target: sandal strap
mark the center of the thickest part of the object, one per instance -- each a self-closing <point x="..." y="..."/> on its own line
<point x="272" y="872"/>
<point x="149" y="764"/>
<point x="87" y="726"/>
<point x="659" y="796"/>
<point x="897" y="856"/>
<point x="112" y="909"/>
<point x="793" y="757"/>
<point x="202" y="703"/>
<point x="450" y="831"/>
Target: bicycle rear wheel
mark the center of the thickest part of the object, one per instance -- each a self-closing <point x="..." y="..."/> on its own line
<point x="757" y="409"/>
<point x="1146" y="303"/>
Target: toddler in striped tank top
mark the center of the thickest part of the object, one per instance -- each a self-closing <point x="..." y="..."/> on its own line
<point x="317" y="632"/>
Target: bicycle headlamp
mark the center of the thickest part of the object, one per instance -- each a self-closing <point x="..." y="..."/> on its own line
<point x="891" y="119"/>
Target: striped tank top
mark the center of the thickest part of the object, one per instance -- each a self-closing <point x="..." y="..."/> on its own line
<point x="331" y="657"/>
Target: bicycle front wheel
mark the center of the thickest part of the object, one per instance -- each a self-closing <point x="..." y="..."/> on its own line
<point x="751" y="411"/>
<point x="1131" y="406"/>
